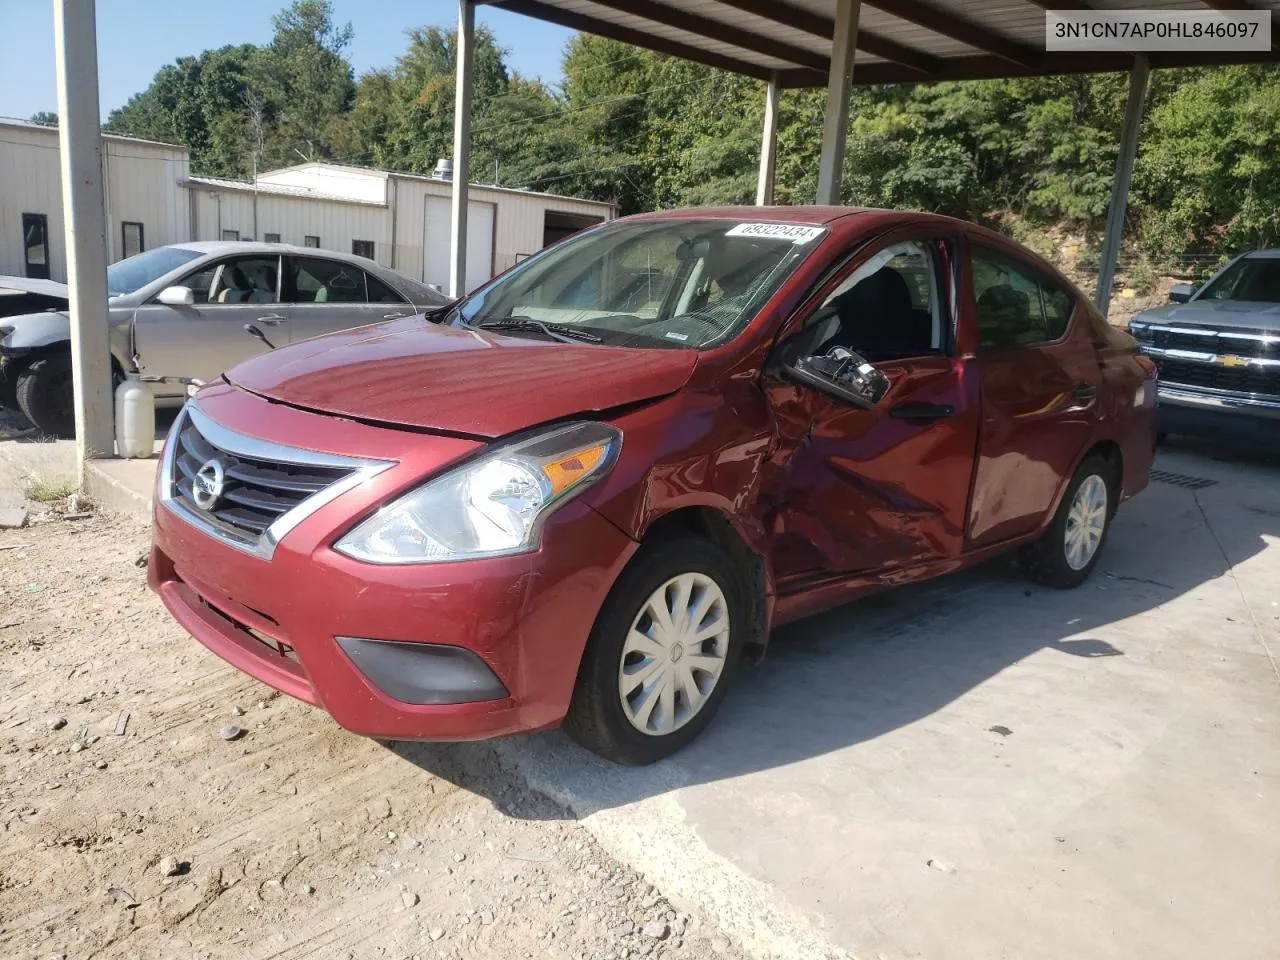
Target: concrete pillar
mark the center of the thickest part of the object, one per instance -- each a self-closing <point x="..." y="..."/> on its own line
<point x="461" y="148"/>
<point x="768" y="144"/>
<point x="835" y="125"/>
<point x="1138" y="76"/>
<point x="84" y="216"/>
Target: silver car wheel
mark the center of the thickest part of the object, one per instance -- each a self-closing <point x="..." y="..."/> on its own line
<point x="674" y="654"/>
<point x="1086" y="522"/>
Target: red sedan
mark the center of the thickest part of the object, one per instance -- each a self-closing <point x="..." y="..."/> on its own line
<point x="601" y="480"/>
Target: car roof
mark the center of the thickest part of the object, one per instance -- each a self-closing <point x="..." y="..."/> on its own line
<point x="256" y="246"/>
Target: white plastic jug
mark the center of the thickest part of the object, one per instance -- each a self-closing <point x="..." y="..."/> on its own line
<point x="135" y="419"/>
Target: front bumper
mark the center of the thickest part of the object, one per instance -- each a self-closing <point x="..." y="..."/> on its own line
<point x="1201" y="411"/>
<point x="523" y="619"/>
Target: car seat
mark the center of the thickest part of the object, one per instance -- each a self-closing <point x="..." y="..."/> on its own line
<point x="237" y="291"/>
<point x="879" y="321"/>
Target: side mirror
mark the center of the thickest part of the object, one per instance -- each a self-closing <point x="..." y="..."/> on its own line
<point x="841" y="374"/>
<point x="176" y="296"/>
<point x="1181" y="292"/>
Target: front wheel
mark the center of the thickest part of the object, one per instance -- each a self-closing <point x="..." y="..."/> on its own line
<point x="45" y="395"/>
<point x="661" y="654"/>
<point x="1069" y="550"/>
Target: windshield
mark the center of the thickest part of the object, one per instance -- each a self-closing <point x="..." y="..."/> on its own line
<point x="674" y="283"/>
<point x="1254" y="279"/>
<point x="137" y="271"/>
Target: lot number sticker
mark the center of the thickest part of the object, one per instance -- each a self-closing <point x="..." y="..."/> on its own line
<point x="775" y="231"/>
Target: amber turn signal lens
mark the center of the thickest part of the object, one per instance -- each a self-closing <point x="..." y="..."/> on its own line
<point x="566" y="471"/>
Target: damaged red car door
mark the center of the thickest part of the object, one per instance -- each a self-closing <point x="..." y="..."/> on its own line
<point x="873" y="489"/>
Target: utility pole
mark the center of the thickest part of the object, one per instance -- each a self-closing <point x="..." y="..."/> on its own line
<point x="84" y="225"/>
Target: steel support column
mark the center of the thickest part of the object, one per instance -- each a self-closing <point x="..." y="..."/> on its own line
<point x="84" y="224"/>
<point x="835" y="126"/>
<point x="768" y="144"/>
<point x="1138" y="76"/>
<point x="461" y="147"/>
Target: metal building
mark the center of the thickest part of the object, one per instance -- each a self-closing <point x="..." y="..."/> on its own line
<point x="151" y="199"/>
<point x="399" y="220"/>
<point x="145" y="207"/>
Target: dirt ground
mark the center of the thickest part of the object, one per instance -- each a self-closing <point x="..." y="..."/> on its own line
<point x="155" y="837"/>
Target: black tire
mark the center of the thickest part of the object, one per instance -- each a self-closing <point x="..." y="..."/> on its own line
<point x="1162" y="438"/>
<point x="1046" y="559"/>
<point x="45" y="395"/>
<point x="596" y="718"/>
<point x="9" y="371"/>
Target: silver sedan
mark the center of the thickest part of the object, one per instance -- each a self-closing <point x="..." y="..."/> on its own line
<point x="181" y="311"/>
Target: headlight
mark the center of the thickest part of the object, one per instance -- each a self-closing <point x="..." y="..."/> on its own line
<point x="1139" y="328"/>
<point x="489" y="507"/>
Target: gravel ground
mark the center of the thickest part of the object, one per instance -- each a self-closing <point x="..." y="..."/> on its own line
<point x="129" y="827"/>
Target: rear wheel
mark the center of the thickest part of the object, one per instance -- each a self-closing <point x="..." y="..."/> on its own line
<point x="1069" y="550"/>
<point x="661" y="654"/>
<point x="45" y="395"/>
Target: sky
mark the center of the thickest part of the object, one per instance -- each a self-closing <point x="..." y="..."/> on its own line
<point x="137" y="37"/>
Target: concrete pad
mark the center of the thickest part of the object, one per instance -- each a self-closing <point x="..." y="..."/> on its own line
<point x="124" y="486"/>
<point x="978" y="767"/>
<point x="26" y="461"/>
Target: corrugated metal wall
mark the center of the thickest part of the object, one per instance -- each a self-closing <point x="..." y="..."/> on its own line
<point x="336" y="223"/>
<point x="517" y="230"/>
<point x="141" y="185"/>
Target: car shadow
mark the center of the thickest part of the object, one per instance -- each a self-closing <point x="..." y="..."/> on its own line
<point x="873" y="666"/>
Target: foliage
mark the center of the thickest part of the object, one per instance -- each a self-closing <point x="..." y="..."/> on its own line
<point x="648" y="131"/>
<point x="44" y="118"/>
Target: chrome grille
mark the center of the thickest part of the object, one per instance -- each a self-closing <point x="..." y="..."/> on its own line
<point x="263" y="489"/>
<point x="256" y="492"/>
<point x="1238" y="343"/>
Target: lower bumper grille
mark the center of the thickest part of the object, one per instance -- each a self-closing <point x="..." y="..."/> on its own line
<point x="1193" y="373"/>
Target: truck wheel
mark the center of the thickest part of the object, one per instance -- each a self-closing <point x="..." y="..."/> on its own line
<point x="1069" y="550"/>
<point x="45" y="395"/>
<point x="662" y="653"/>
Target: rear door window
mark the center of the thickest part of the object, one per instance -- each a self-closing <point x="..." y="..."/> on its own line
<point x="1016" y="306"/>
<point x="327" y="281"/>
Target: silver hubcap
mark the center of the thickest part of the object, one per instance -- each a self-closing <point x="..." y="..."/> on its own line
<point x="674" y="654"/>
<point x="1086" y="521"/>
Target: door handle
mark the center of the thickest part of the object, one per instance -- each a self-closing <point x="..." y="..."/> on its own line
<point x="394" y="316"/>
<point x="271" y="320"/>
<point x="921" y="412"/>
<point x="1085" y="392"/>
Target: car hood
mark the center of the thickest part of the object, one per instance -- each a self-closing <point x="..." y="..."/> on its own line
<point x="418" y="374"/>
<point x="1217" y="314"/>
<point x="45" y="288"/>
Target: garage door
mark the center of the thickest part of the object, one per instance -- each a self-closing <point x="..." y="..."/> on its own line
<point x="435" y="243"/>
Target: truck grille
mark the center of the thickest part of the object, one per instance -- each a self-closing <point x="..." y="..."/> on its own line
<point x="1195" y="373"/>
<point x="255" y="492"/>
<point x="1243" y="343"/>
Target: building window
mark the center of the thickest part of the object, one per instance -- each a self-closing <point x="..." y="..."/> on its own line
<point x="362" y="248"/>
<point x="35" y="245"/>
<point x="271" y="237"/>
<point x="132" y="234"/>
<point x="311" y="242"/>
<point x="230" y="234"/>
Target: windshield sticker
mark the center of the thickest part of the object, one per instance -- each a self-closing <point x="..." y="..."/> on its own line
<point x="775" y="231"/>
